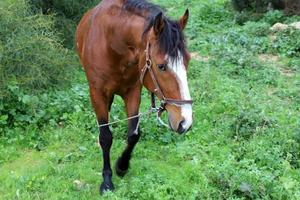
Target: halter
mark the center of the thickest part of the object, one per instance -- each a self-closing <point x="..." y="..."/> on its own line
<point x="164" y="101"/>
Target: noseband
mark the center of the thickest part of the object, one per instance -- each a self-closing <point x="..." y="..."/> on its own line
<point x="164" y="101"/>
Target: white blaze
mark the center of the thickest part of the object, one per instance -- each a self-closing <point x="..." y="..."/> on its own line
<point x="180" y="71"/>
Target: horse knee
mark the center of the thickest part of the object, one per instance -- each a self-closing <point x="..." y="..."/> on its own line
<point x="133" y="132"/>
<point x="133" y="138"/>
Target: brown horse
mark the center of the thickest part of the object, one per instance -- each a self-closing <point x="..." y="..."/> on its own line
<point x="123" y="45"/>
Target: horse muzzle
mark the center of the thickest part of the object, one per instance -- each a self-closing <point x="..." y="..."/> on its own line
<point x="179" y="122"/>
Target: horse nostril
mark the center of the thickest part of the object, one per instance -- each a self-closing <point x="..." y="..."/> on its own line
<point x="180" y="129"/>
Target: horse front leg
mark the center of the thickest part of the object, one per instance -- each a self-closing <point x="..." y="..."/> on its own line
<point x="132" y="102"/>
<point x="101" y="103"/>
<point x="105" y="140"/>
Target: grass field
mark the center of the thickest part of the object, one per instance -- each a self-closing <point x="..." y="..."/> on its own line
<point x="245" y="141"/>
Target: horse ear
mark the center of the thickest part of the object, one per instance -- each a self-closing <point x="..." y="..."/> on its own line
<point x="159" y="23"/>
<point x="184" y="19"/>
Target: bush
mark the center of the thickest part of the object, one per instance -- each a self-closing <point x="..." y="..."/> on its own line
<point x="54" y="107"/>
<point x="71" y="9"/>
<point x="250" y="122"/>
<point x="273" y="17"/>
<point x="291" y="7"/>
<point x="257" y="29"/>
<point x="31" y="57"/>
<point x="67" y="12"/>
<point x="257" y="5"/>
<point x="242" y="17"/>
<point x="287" y="43"/>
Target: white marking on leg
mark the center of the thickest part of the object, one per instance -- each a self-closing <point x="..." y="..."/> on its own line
<point x="180" y="71"/>
<point x="98" y="125"/>
<point x="136" y="131"/>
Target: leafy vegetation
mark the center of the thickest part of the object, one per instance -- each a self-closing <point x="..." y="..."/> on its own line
<point x="30" y="49"/>
<point x="291" y="7"/>
<point x="245" y="141"/>
<point x="32" y="61"/>
<point x="67" y="14"/>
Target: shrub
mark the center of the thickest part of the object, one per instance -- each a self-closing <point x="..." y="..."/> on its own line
<point x="242" y="17"/>
<point x="52" y="107"/>
<point x="31" y="57"/>
<point x="273" y="17"/>
<point x="291" y="7"/>
<point x="287" y="43"/>
<point x="257" y="5"/>
<point x="249" y="123"/>
<point x="67" y="12"/>
<point x="71" y="9"/>
<point x="257" y="29"/>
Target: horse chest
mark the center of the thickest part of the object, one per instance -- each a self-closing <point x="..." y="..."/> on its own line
<point x="129" y="74"/>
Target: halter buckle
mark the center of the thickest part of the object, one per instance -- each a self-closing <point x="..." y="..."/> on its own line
<point x="148" y="62"/>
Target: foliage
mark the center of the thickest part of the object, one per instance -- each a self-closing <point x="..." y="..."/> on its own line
<point x="31" y="56"/>
<point x="242" y="17"/>
<point x="258" y="5"/>
<point x="291" y="7"/>
<point x="67" y="14"/>
<point x="275" y="10"/>
<point x="273" y="17"/>
<point x="73" y="9"/>
<point x="288" y="42"/>
<point x="32" y="61"/>
<point x="48" y="108"/>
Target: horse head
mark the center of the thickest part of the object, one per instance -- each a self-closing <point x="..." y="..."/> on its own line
<point x="166" y="58"/>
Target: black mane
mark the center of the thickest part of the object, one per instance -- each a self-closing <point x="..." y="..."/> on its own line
<point x="141" y="6"/>
<point x="171" y="40"/>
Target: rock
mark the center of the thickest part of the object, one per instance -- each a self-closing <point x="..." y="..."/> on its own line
<point x="279" y="27"/>
<point x="245" y="188"/>
<point x="268" y="58"/>
<point x="79" y="185"/>
<point x="295" y="25"/>
<point x="198" y="57"/>
<point x="272" y="38"/>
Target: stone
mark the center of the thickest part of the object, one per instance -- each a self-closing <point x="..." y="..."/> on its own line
<point x="279" y="27"/>
<point x="295" y="25"/>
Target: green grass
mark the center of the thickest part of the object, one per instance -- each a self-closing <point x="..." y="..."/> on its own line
<point x="245" y="141"/>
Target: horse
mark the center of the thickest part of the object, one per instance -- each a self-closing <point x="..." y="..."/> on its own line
<point x="124" y="45"/>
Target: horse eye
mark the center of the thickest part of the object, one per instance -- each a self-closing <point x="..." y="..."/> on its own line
<point x="162" y="67"/>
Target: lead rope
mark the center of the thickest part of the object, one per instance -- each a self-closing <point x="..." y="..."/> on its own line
<point x="151" y="110"/>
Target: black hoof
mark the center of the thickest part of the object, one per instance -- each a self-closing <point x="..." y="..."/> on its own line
<point x="106" y="186"/>
<point x="121" y="168"/>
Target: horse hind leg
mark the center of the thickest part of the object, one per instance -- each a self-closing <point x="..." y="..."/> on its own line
<point x="132" y="103"/>
<point x="101" y="104"/>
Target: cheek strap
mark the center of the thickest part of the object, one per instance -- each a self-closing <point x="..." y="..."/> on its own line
<point x="157" y="89"/>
